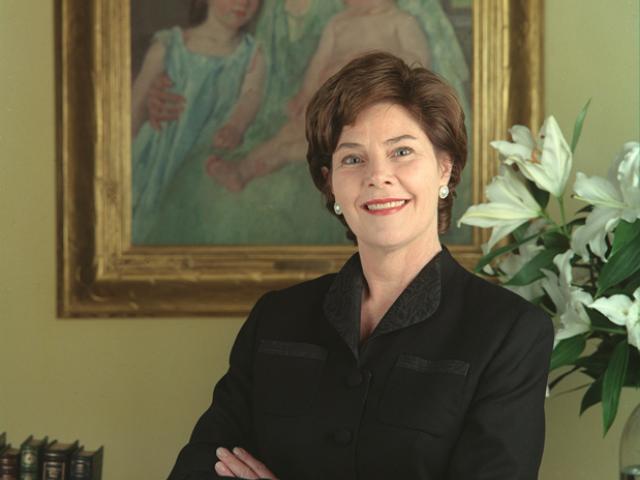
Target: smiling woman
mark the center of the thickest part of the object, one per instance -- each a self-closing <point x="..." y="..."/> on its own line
<point x="384" y="165"/>
<point x="403" y="364"/>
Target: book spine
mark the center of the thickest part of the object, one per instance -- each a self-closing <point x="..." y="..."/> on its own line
<point x="9" y="472"/>
<point x="29" y="463"/>
<point x="54" y="470"/>
<point x="81" y="469"/>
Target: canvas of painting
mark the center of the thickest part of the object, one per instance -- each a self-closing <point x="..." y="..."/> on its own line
<point x="218" y="99"/>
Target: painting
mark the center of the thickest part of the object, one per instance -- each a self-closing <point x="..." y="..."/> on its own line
<point x="230" y="168"/>
<point x="183" y="185"/>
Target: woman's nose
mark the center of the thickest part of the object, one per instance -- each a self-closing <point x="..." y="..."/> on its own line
<point x="380" y="171"/>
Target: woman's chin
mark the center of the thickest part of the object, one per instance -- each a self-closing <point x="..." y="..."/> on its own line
<point x="384" y="241"/>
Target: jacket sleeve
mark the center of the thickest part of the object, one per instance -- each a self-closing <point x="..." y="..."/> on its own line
<point x="228" y="421"/>
<point x="502" y="437"/>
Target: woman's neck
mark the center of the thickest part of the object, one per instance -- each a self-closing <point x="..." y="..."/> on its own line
<point x="389" y="272"/>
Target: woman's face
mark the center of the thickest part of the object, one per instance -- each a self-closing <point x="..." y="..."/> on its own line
<point x="385" y="176"/>
<point x="233" y="13"/>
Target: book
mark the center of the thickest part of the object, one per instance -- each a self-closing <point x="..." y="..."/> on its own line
<point x="86" y="464"/>
<point x="3" y="440"/>
<point x="57" y="460"/>
<point x="31" y="457"/>
<point x="9" y="463"/>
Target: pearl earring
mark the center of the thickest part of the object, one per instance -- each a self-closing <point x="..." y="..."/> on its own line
<point x="443" y="192"/>
<point x="337" y="208"/>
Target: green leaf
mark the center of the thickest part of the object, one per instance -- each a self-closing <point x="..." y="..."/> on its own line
<point x="555" y="240"/>
<point x="599" y="320"/>
<point x="486" y="259"/>
<point x="633" y="369"/>
<point x="624" y="234"/>
<point x="532" y="270"/>
<point x="518" y="233"/>
<point x="567" y="351"/>
<point x="624" y="263"/>
<point x="592" y="396"/>
<point x="577" y="128"/>
<point x="634" y="283"/>
<point x="612" y="383"/>
<point x="541" y="196"/>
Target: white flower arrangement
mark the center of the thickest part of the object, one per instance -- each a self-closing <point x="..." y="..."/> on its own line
<point x="584" y="272"/>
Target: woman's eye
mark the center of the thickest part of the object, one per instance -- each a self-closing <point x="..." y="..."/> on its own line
<point x="351" y="160"/>
<point x="402" y="152"/>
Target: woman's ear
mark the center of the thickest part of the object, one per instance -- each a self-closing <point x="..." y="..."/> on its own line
<point x="446" y="165"/>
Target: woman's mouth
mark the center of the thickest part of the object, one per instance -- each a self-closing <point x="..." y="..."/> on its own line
<point x="385" y="206"/>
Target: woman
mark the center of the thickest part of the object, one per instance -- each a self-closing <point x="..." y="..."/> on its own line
<point x="403" y="364"/>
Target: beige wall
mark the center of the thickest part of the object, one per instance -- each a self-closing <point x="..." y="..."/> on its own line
<point x="137" y="386"/>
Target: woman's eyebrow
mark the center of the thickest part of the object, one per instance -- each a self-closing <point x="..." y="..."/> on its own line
<point x="393" y="140"/>
<point x="389" y="141"/>
<point x="347" y="145"/>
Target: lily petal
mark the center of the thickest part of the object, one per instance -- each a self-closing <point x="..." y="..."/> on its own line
<point x="615" y="308"/>
<point x="629" y="175"/>
<point x="509" y="150"/>
<point x="523" y="136"/>
<point x="501" y="231"/>
<point x="509" y="188"/>
<point x="597" y="191"/>
<point x="556" y="157"/>
<point x="600" y="222"/>
<point x="492" y="214"/>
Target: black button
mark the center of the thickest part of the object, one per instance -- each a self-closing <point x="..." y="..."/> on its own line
<point x="342" y="436"/>
<point x="354" y="379"/>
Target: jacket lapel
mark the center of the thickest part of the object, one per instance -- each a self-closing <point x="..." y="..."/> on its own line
<point x="415" y="304"/>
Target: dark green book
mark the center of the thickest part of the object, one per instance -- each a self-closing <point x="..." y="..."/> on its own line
<point x="31" y="457"/>
<point x="3" y="440"/>
<point x="87" y="465"/>
<point x="9" y="463"/>
<point x="56" y="463"/>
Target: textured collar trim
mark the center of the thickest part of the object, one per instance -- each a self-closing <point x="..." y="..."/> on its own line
<point x="415" y="304"/>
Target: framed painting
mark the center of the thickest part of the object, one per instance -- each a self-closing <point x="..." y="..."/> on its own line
<point x="182" y="182"/>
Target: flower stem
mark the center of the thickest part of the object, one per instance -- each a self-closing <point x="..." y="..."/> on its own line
<point x="545" y="215"/>
<point x="621" y="330"/>
<point x="560" y="377"/>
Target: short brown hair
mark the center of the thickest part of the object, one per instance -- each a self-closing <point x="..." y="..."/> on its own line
<point x="381" y="77"/>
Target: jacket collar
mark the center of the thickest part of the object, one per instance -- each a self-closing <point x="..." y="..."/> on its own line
<point x="415" y="304"/>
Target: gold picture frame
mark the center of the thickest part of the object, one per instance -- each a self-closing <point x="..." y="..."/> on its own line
<point x="101" y="274"/>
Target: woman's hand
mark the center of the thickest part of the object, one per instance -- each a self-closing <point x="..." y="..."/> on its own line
<point x="240" y="464"/>
<point x="163" y="105"/>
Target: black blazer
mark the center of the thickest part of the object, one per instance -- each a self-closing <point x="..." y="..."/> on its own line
<point x="450" y="385"/>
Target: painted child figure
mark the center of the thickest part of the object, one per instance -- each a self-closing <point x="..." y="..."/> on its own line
<point x="219" y="71"/>
<point x="363" y="26"/>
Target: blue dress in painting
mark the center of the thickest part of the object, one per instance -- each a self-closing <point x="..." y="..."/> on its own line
<point x="211" y="86"/>
<point x="283" y="207"/>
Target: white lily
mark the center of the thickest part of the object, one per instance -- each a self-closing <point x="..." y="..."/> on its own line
<point x="545" y="161"/>
<point x="572" y="318"/>
<point x="622" y="310"/>
<point x="614" y="198"/>
<point x="510" y="205"/>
